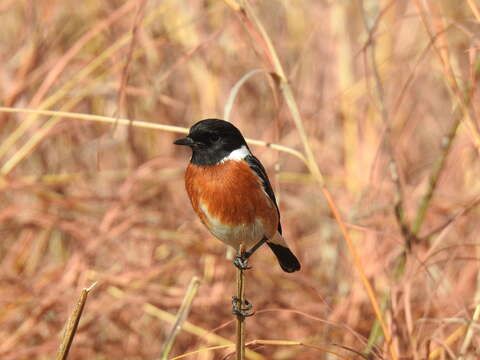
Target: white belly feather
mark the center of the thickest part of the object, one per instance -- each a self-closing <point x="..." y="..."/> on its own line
<point x="248" y="234"/>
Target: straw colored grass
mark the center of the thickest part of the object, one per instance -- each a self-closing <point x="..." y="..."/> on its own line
<point x="365" y="114"/>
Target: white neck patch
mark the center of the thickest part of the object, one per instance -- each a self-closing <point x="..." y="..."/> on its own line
<point x="237" y="155"/>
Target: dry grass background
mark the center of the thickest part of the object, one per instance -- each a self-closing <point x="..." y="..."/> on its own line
<point x="387" y="91"/>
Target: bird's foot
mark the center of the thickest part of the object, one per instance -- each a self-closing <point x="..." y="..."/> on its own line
<point x="241" y="263"/>
<point x="240" y="309"/>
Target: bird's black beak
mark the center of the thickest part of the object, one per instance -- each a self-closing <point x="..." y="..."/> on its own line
<point x="187" y="141"/>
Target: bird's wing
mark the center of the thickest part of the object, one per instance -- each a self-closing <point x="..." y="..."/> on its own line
<point x="258" y="168"/>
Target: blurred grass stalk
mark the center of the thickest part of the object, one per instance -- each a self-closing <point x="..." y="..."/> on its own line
<point x="63" y="92"/>
<point x="72" y="324"/>
<point x="378" y="50"/>
<point x="181" y="317"/>
<point x="139" y="124"/>
<point x="436" y="28"/>
<point x="346" y="79"/>
<point x="461" y="100"/>
<point x="204" y="334"/>
<point x="265" y="343"/>
<point x="412" y="232"/>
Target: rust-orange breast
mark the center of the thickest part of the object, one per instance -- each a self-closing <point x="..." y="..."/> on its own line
<point x="232" y="194"/>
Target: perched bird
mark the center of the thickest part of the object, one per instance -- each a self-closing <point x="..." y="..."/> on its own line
<point x="230" y="192"/>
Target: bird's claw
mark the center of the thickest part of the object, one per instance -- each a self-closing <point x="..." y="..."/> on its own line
<point x="241" y="263"/>
<point x="240" y="309"/>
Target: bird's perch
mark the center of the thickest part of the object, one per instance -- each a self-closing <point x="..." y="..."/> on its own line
<point x="240" y="298"/>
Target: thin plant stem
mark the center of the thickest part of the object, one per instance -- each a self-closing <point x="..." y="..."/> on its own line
<point x="389" y="147"/>
<point x="438" y="167"/>
<point x="240" y="326"/>
<point x="268" y="343"/>
<point x="198" y="331"/>
<point x="72" y="324"/>
<point x="142" y="124"/>
<point x="181" y="316"/>
<point x="227" y="110"/>
<point x="469" y="335"/>
<point x="69" y="85"/>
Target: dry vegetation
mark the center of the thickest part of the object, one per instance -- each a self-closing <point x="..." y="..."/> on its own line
<point x="387" y="93"/>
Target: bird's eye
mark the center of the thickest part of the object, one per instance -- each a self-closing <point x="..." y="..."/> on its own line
<point x="214" y="137"/>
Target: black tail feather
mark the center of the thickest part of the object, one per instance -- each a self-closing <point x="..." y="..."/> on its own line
<point x="285" y="257"/>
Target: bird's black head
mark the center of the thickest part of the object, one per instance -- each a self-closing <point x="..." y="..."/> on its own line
<point x="212" y="140"/>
